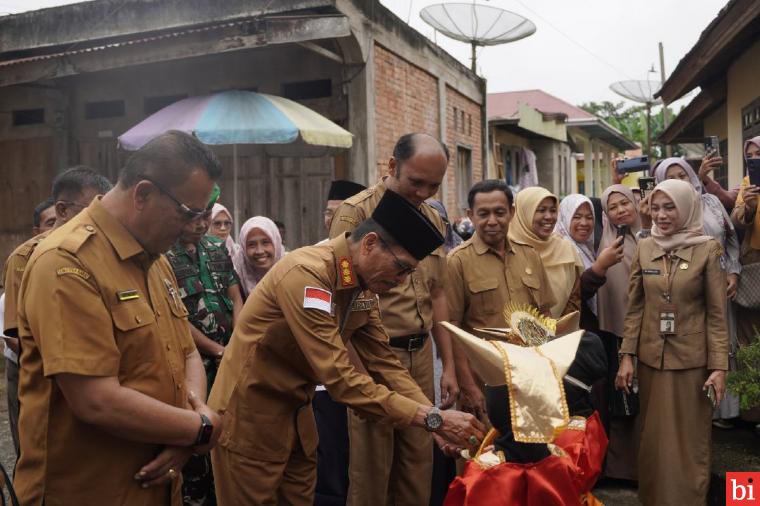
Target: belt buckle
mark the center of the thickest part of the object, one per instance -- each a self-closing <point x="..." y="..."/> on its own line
<point x="414" y="343"/>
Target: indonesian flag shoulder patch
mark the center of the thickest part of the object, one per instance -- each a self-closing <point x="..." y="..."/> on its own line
<point x="317" y="298"/>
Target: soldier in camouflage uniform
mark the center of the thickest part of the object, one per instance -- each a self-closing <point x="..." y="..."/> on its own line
<point x="210" y="290"/>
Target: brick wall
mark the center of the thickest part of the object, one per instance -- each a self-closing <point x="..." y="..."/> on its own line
<point x="406" y="100"/>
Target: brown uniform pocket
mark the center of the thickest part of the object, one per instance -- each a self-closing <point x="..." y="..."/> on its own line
<point x="534" y="288"/>
<point x="268" y="438"/>
<point x="134" y="321"/>
<point x="484" y="296"/>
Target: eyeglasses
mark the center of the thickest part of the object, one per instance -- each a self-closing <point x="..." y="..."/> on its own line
<point x="222" y="224"/>
<point x="187" y="212"/>
<point x="403" y="267"/>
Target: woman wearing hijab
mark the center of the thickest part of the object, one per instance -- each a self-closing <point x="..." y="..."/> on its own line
<point x="221" y="227"/>
<point x="622" y="223"/>
<point x="260" y="247"/>
<point x="533" y="224"/>
<point x="745" y="217"/>
<point x="675" y="326"/>
<point x="576" y="224"/>
<point x="717" y="224"/>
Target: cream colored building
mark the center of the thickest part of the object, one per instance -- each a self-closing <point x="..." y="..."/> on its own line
<point x="724" y="65"/>
<point x="573" y="148"/>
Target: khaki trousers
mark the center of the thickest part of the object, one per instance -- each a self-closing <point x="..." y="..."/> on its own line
<point x="389" y="466"/>
<point x="240" y="480"/>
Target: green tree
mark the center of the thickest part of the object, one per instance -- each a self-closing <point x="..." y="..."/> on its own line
<point x="745" y="382"/>
<point x="631" y="121"/>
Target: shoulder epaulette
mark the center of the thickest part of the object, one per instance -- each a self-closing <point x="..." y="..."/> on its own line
<point x="76" y="238"/>
<point x="361" y="196"/>
<point x="456" y="249"/>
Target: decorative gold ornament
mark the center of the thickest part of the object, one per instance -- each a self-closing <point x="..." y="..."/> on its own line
<point x="528" y="325"/>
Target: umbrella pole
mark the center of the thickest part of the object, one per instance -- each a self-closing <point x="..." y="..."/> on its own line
<point x="235" y="208"/>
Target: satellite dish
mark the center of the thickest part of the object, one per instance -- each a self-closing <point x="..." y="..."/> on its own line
<point x="638" y="91"/>
<point x="478" y="25"/>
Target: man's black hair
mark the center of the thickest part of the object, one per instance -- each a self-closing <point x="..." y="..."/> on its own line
<point x="73" y="181"/>
<point x="406" y="147"/>
<point x="488" y="186"/>
<point x="370" y="225"/>
<point x="169" y="159"/>
<point x="45" y="204"/>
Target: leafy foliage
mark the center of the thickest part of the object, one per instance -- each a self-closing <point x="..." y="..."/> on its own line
<point x="746" y="381"/>
<point x="631" y="121"/>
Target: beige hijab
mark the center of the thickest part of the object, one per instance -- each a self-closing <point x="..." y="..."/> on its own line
<point x="558" y="255"/>
<point x="612" y="297"/>
<point x="690" y="228"/>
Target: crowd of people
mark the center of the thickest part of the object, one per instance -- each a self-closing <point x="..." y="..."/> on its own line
<point x="155" y="357"/>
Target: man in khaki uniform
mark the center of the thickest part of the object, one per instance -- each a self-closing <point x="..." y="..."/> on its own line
<point x="107" y="362"/>
<point x="292" y="335"/>
<point x="488" y="272"/>
<point x="387" y="464"/>
<point x="73" y="190"/>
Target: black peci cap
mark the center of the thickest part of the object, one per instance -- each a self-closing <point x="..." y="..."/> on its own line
<point x="411" y="229"/>
<point x="341" y="189"/>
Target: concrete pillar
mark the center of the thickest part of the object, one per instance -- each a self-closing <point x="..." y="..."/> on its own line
<point x="572" y="164"/>
<point x="606" y="163"/>
<point x="588" y="169"/>
<point x="361" y="120"/>
<point x="595" y="164"/>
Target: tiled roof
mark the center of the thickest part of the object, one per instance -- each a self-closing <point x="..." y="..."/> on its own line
<point x="506" y="105"/>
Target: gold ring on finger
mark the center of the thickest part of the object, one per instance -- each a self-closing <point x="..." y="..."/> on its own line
<point x="172" y="473"/>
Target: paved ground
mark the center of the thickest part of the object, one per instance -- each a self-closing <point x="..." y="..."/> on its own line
<point x="734" y="450"/>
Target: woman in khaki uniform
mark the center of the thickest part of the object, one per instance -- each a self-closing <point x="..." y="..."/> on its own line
<point x="676" y="327"/>
<point x="535" y="218"/>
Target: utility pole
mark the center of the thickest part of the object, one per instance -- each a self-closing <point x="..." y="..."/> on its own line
<point x="665" y="112"/>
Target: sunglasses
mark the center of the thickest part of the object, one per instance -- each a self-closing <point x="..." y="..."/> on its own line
<point x="186" y="211"/>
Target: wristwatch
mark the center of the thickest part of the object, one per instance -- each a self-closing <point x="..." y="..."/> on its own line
<point x="204" y="433"/>
<point x="433" y="419"/>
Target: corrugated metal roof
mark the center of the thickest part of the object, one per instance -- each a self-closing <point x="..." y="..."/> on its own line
<point x="123" y="43"/>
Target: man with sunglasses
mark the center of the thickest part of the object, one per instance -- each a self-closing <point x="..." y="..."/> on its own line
<point x="292" y="335"/>
<point x="72" y="191"/>
<point x="112" y="385"/>
<point x="382" y="456"/>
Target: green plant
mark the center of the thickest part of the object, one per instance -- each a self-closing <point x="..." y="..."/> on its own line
<point x="745" y="382"/>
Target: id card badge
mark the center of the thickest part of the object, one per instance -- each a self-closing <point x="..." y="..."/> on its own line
<point x="668" y="319"/>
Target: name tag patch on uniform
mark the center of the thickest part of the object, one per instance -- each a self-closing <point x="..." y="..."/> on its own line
<point x="317" y="298"/>
<point x="652" y="272"/>
<point x="76" y="271"/>
<point x="123" y="295"/>
<point x="364" y="304"/>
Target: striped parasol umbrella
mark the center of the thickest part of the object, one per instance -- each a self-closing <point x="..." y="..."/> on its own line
<point x="281" y="126"/>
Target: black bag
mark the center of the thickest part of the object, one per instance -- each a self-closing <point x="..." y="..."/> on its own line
<point x="623" y="405"/>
